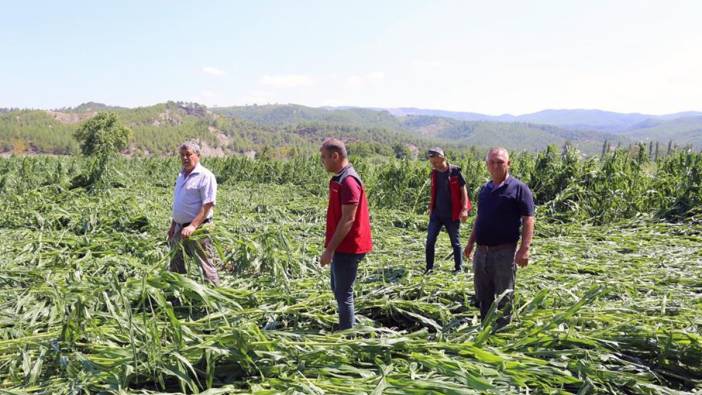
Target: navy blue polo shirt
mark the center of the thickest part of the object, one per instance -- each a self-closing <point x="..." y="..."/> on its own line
<point x="500" y="212"/>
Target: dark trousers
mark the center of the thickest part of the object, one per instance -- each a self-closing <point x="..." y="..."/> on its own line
<point x="201" y="250"/>
<point x="343" y="274"/>
<point x="494" y="273"/>
<point x="453" y="229"/>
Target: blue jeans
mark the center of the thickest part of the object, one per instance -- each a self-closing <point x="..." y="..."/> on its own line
<point x="343" y="274"/>
<point x="453" y="229"/>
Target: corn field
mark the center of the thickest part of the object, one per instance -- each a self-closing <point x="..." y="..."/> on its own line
<point x="611" y="302"/>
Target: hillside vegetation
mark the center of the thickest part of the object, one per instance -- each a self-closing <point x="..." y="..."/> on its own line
<point x="284" y="130"/>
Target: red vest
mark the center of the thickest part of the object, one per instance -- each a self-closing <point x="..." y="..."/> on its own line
<point x="454" y="191"/>
<point x="358" y="240"/>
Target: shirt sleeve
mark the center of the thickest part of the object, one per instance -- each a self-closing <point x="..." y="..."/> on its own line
<point x="461" y="180"/>
<point x="526" y="202"/>
<point x="208" y="190"/>
<point x="350" y="191"/>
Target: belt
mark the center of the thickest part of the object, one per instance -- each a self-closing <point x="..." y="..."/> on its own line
<point x="495" y="248"/>
<point x="206" y="221"/>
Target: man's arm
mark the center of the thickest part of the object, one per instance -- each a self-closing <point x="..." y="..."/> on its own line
<point x="471" y="240"/>
<point x="429" y="205"/>
<point x="430" y="196"/>
<point x="188" y="230"/>
<point x="464" y="204"/>
<point x="522" y="256"/>
<point x="348" y="216"/>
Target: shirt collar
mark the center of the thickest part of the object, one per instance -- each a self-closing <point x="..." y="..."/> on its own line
<point x="196" y="170"/>
<point x="507" y="180"/>
<point x="448" y="167"/>
<point x="342" y="171"/>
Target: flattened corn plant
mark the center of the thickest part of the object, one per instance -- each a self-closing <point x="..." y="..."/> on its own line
<point x="611" y="302"/>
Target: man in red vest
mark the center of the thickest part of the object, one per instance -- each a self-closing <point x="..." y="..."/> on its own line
<point x="348" y="233"/>
<point x="448" y="207"/>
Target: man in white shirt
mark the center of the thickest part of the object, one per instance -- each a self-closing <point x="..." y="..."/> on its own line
<point x="193" y="202"/>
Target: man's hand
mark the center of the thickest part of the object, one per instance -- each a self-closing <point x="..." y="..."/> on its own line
<point x="187" y="231"/>
<point x="326" y="258"/>
<point x="464" y="215"/>
<point x="522" y="256"/>
<point x="468" y="251"/>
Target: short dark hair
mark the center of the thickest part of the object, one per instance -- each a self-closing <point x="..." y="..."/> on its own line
<point x="335" y="145"/>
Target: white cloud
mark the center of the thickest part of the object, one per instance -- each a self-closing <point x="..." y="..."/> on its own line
<point x="287" y="80"/>
<point x="213" y="71"/>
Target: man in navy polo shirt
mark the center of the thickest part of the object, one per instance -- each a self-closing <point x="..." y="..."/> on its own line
<point x="348" y="233"/>
<point x="505" y="205"/>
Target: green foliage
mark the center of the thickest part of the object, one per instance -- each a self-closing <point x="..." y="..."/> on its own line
<point x="160" y="128"/>
<point x="684" y="132"/>
<point x="291" y="114"/>
<point x="511" y="135"/>
<point x="401" y="151"/>
<point x="101" y="138"/>
<point x="87" y="305"/>
<point x="102" y="135"/>
<point x="31" y="131"/>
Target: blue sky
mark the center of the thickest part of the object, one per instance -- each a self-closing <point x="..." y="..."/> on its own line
<point x="490" y="57"/>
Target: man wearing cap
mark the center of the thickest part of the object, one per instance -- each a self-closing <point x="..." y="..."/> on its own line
<point x="193" y="202"/>
<point x="348" y="234"/>
<point x="505" y="204"/>
<point x="448" y="206"/>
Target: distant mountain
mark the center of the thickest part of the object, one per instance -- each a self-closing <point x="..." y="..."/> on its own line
<point x="461" y="116"/>
<point x="287" y="114"/>
<point x="281" y="128"/>
<point x="682" y="131"/>
<point x="512" y="135"/>
<point x="605" y="121"/>
<point x="679" y="115"/>
<point x="585" y="119"/>
<point x="158" y="129"/>
<point x="518" y="135"/>
<point x="91" y="107"/>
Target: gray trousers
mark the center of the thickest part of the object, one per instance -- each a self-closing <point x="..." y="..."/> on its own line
<point x="494" y="272"/>
<point x="201" y="250"/>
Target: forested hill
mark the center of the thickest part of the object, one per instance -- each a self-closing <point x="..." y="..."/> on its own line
<point x="683" y="131"/>
<point x="291" y="114"/>
<point x="282" y="130"/>
<point x="445" y="130"/>
<point x="160" y="128"/>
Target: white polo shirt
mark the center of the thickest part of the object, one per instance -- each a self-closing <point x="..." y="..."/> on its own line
<point x="192" y="192"/>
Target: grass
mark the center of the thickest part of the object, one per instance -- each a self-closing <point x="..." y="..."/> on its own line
<point x="86" y="305"/>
